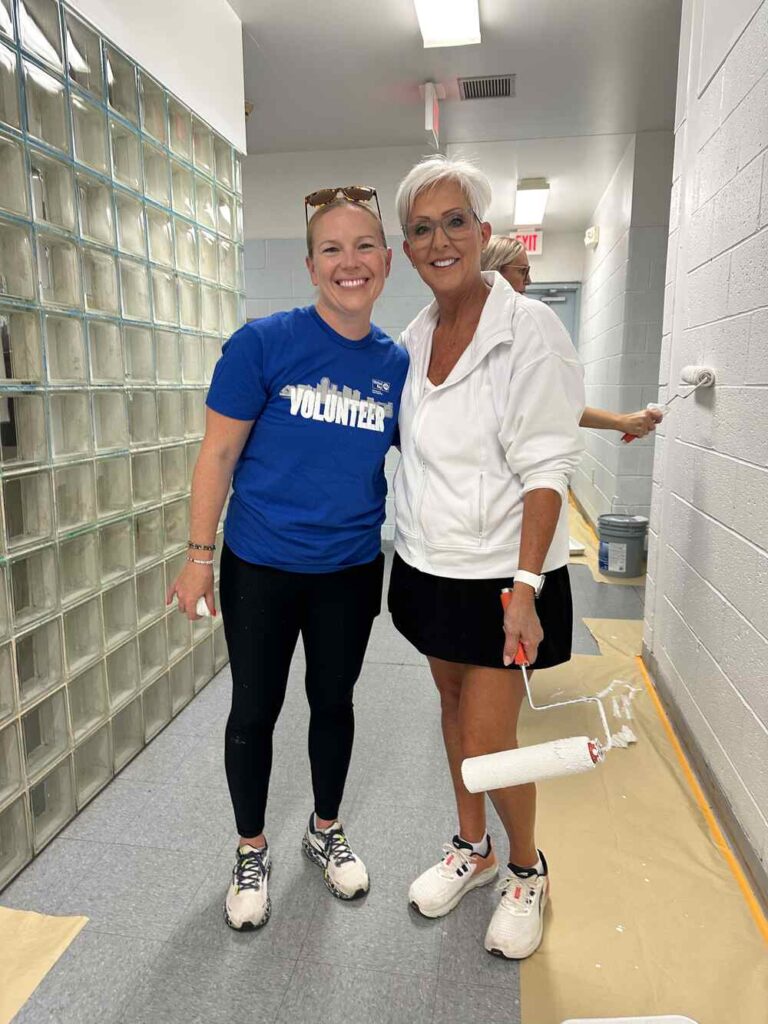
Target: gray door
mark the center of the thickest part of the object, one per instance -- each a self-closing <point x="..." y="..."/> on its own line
<point x="563" y="299"/>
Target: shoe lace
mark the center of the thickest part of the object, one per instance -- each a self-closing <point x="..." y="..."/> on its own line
<point x="455" y="858"/>
<point x="337" y="848"/>
<point x="250" y="870"/>
<point x="519" y="894"/>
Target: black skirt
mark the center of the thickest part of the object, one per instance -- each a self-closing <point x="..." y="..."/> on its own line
<point x="462" y="620"/>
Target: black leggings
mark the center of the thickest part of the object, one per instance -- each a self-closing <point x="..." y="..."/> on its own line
<point x="264" y="611"/>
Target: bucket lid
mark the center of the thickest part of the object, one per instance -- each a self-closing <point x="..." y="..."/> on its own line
<point x="617" y="519"/>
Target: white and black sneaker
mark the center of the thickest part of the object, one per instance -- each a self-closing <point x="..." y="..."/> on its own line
<point x="517" y="925"/>
<point x="343" y="871"/>
<point x="248" y="905"/>
<point x="440" y="888"/>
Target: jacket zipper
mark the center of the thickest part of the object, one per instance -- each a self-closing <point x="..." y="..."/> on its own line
<point x="482" y="507"/>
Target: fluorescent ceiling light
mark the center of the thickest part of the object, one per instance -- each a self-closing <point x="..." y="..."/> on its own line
<point x="448" y="22"/>
<point x="531" y="201"/>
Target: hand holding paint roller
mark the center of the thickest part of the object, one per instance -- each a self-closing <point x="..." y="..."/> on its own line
<point x="543" y="760"/>
<point x="698" y="376"/>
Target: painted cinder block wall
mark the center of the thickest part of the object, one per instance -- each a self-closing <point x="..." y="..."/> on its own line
<point x="706" y="626"/>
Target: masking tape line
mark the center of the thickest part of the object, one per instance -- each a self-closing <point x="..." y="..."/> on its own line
<point x="720" y="841"/>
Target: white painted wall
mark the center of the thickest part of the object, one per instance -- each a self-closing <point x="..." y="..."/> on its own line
<point x="193" y="47"/>
<point x="562" y="259"/>
<point x="706" y="628"/>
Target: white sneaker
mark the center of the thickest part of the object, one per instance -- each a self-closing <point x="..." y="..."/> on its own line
<point x="248" y="905"/>
<point x="440" y="888"/>
<point x="343" y="872"/>
<point x="517" y="925"/>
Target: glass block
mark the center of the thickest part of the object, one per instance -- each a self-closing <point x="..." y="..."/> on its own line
<point x="121" y="84"/>
<point x="9" y="88"/>
<point x="176" y="525"/>
<point x="139" y="354"/>
<point x="39" y="30"/>
<point x="79" y="561"/>
<point x="225" y="214"/>
<point x="202" y="654"/>
<point x="116" y="549"/>
<point x="179" y="633"/>
<point x="7" y="699"/>
<point x="191" y="359"/>
<point x="130" y="224"/>
<point x="210" y="319"/>
<point x="110" y="420"/>
<point x="180" y="125"/>
<point x="206" y="204"/>
<point x="71" y="430"/>
<point x="182" y="682"/>
<point x="174" y="471"/>
<point x="65" y="349"/>
<point x="238" y="235"/>
<point x="99" y="281"/>
<point x="145" y="471"/>
<point x="194" y="413"/>
<point x="165" y="301"/>
<point x="156" y="701"/>
<point x="75" y="496"/>
<point x="150" y="594"/>
<point x="173" y="569"/>
<point x="88" y="704"/>
<point x="209" y="256"/>
<point x="135" y="290"/>
<point x="186" y="246"/>
<point x="201" y="628"/>
<point x="157" y="174"/>
<point x="16" y="274"/>
<point x="22" y="430"/>
<point x="93" y="765"/>
<point x="5" y="620"/>
<point x="13" y="181"/>
<point x="238" y="173"/>
<point x="45" y="732"/>
<point x="52" y="802"/>
<point x="15" y="843"/>
<point x="228" y="264"/>
<point x="123" y="672"/>
<point x="95" y="200"/>
<point x="119" y="609"/>
<point x="148" y="536"/>
<point x="58" y="269"/>
<point x="11" y="776"/>
<point x="106" y="352"/>
<point x="127" y="733"/>
<point x="223" y="154"/>
<point x="142" y="417"/>
<point x="168" y="349"/>
<point x="189" y="303"/>
<point x="170" y="415"/>
<point x="28" y="509"/>
<point x="89" y="124"/>
<point x="230" y="312"/>
<point x="152" y="108"/>
<point x="33" y="586"/>
<point x="38" y="660"/>
<point x="6" y="28"/>
<point x="202" y="146"/>
<point x="83" y="55"/>
<point x="83" y="635"/>
<point x="126" y="155"/>
<point x="153" y="651"/>
<point x="193" y="450"/>
<point x="113" y="485"/>
<point x="160" y="234"/>
<point x="20" y="345"/>
<point x="182" y="190"/>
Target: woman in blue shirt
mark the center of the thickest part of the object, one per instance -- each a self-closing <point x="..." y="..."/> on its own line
<point x="302" y="408"/>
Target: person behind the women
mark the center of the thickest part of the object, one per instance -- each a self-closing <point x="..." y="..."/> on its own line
<point x="302" y="408"/>
<point x="489" y="431"/>
<point x="509" y="257"/>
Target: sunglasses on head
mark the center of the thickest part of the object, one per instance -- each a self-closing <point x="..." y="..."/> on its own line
<point x="354" y="193"/>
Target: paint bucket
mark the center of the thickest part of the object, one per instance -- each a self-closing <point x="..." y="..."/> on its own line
<point x="622" y="544"/>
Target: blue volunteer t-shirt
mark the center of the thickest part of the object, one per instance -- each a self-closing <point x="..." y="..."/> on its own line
<point x="309" y="487"/>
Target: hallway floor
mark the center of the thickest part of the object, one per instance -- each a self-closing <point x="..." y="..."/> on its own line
<point x="148" y="863"/>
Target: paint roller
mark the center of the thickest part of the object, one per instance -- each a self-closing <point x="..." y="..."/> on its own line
<point x="698" y="376"/>
<point x="542" y="760"/>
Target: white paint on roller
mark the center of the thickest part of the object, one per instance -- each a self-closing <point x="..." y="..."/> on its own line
<point x="699" y="376"/>
<point x="529" y="764"/>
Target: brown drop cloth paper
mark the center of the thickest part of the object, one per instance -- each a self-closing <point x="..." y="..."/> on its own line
<point x="30" y="944"/>
<point x="580" y="530"/>
<point x="646" y="916"/>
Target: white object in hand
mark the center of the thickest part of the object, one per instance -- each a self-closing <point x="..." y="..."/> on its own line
<point x="201" y="608"/>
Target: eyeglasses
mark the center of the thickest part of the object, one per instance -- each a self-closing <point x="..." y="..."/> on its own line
<point x="354" y="193"/>
<point x="525" y="271"/>
<point x="456" y="224"/>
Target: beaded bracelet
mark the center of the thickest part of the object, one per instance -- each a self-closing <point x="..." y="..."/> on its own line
<point x="200" y="561"/>
<point x="202" y="547"/>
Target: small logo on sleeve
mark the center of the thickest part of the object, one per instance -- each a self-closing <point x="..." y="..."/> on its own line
<point x="380" y="387"/>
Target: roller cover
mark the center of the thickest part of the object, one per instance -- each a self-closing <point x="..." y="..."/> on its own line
<point x="702" y="376"/>
<point x="529" y="764"/>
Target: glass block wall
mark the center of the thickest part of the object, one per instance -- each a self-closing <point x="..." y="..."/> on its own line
<point x="120" y="274"/>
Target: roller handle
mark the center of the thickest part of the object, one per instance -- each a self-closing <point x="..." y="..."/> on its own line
<point x="520" y="656"/>
<point x="628" y="438"/>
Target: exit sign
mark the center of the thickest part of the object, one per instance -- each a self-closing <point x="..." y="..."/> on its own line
<point x="532" y="240"/>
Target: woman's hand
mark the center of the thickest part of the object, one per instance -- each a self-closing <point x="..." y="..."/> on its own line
<point x="521" y="625"/>
<point x="192" y="583"/>
<point x="640" y="423"/>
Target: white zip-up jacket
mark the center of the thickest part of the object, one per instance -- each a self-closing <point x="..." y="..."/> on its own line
<point x="505" y="422"/>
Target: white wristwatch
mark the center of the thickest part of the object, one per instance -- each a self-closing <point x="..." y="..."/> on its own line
<point x="537" y="582"/>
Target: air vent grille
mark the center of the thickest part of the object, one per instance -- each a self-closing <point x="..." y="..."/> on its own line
<point x="487" y="87"/>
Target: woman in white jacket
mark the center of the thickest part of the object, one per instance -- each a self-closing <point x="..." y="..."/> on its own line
<point x="489" y="427"/>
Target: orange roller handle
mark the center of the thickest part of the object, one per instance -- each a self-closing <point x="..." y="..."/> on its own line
<point x="520" y="655"/>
